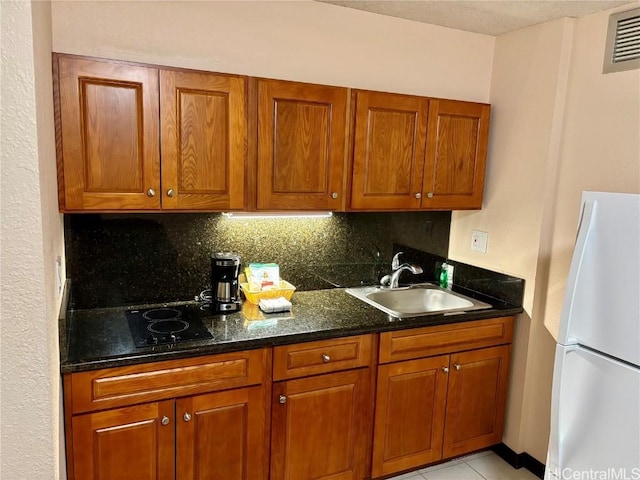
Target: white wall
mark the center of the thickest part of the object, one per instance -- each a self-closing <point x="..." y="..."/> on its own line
<point x="600" y="149"/>
<point x="559" y="127"/>
<point x="525" y="79"/>
<point x="30" y="240"/>
<point x="299" y="40"/>
<point x="528" y="84"/>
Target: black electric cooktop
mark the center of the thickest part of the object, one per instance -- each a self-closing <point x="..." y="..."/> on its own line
<point x="155" y="326"/>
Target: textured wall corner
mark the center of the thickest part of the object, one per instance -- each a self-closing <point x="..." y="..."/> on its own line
<point x="29" y="414"/>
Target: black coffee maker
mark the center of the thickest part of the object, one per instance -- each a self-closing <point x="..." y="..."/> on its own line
<point x="225" y="268"/>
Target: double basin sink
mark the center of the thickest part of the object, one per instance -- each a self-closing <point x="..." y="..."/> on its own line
<point x="416" y="300"/>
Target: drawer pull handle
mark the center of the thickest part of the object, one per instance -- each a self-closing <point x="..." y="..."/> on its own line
<point x="326" y="358"/>
<point x="151" y="192"/>
<point x="445" y="369"/>
<point x="457" y="367"/>
<point x="186" y="417"/>
<point x="165" y="421"/>
<point x="282" y="399"/>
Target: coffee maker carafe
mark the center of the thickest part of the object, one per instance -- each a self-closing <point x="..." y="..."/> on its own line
<point x="225" y="268"/>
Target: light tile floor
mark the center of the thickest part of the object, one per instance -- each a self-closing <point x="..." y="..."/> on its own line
<point x="478" y="466"/>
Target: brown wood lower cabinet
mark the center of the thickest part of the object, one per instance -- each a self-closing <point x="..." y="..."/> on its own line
<point x="218" y="436"/>
<point x="409" y="420"/>
<point x="125" y="443"/>
<point x="221" y="435"/>
<point x="440" y="393"/>
<point x="197" y="418"/>
<point x="319" y="427"/>
<point x="476" y="400"/>
<point x="321" y="409"/>
<point x="438" y="407"/>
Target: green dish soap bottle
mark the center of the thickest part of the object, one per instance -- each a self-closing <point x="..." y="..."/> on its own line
<point x="444" y="281"/>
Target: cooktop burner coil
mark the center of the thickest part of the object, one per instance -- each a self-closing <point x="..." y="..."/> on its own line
<point x="154" y="326"/>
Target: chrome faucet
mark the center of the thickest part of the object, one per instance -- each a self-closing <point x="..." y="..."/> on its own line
<point x="391" y="281"/>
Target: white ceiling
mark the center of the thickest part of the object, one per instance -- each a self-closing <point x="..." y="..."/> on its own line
<point x="481" y="16"/>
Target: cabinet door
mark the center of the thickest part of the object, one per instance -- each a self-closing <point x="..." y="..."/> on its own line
<point x="319" y="427"/>
<point x="301" y="145"/>
<point x="476" y="400"/>
<point x="108" y="139"/>
<point x="409" y="419"/>
<point x="204" y="134"/>
<point x="388" y="151"/>
<point x="125" y="443"/>
<point x="222" y="435"/>
<point x="456" y="155"/>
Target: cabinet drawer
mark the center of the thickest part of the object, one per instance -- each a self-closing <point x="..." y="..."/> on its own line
<point x="323" y="356"/>
<point x="115" y="387"/>
<point x="427" y="341"/>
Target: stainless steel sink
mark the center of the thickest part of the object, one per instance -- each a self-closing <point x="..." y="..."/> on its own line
<point x="416" y="300"/>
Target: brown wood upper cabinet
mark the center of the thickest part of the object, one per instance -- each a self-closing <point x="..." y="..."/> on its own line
<point x="108" y="135"/>
<point x="133" y="137"/>
<point x="388" y="151"/>
<point x="137" y="137"/>
<point x="301" y="145"/>
<point x="417" y="153"/>
<point x="457" y="138"/>
<point x="204" y="132"/>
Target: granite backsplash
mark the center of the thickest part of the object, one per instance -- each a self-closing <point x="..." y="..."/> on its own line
<point x="115" y="260"/>
<point x="468" y="279"/>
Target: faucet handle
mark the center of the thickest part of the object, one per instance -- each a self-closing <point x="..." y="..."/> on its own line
<point x="395" y="263"/>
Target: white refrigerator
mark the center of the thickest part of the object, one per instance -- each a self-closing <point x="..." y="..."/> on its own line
<point x="595" y="412"/>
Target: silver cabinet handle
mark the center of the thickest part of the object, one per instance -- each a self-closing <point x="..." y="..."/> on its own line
<point x="334" y="195"/>
<point x="282" y="399"/>
<point x="456" y="366"/>
<point x="326" y="358"/>
<point x="165" y="420"/>
<point x="430" y="195"/>
<point x="151" y="192"/>
<point x="418" y="195"/>
<point x="186" y="417"/>
<point x="445" y="369"/>
<point x="170" y="192"/>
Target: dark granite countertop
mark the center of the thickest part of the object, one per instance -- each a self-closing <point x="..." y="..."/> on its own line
<point x="100" y="338"/>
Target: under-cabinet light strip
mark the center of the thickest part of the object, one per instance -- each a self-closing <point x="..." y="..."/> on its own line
<point x="259" y="215"/>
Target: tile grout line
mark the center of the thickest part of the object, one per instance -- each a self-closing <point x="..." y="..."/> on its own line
<point x="458" y="461"/>
<point x="471" y="467"/>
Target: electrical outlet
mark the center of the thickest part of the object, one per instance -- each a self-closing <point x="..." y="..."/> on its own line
<point x="479" y="241"/>
<point x="59" y="282"/>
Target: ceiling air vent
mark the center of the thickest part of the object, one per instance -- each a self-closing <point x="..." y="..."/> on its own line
<point x="623" y="42"/>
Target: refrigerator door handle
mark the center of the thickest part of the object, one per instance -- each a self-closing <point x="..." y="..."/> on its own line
<point x="587" y="220"/>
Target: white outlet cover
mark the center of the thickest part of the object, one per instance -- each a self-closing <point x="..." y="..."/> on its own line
<point x="59" y="280"/>
<point x="479" y="241"/>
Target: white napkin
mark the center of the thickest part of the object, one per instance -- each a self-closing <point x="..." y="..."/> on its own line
<point x="273" y="305"/>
